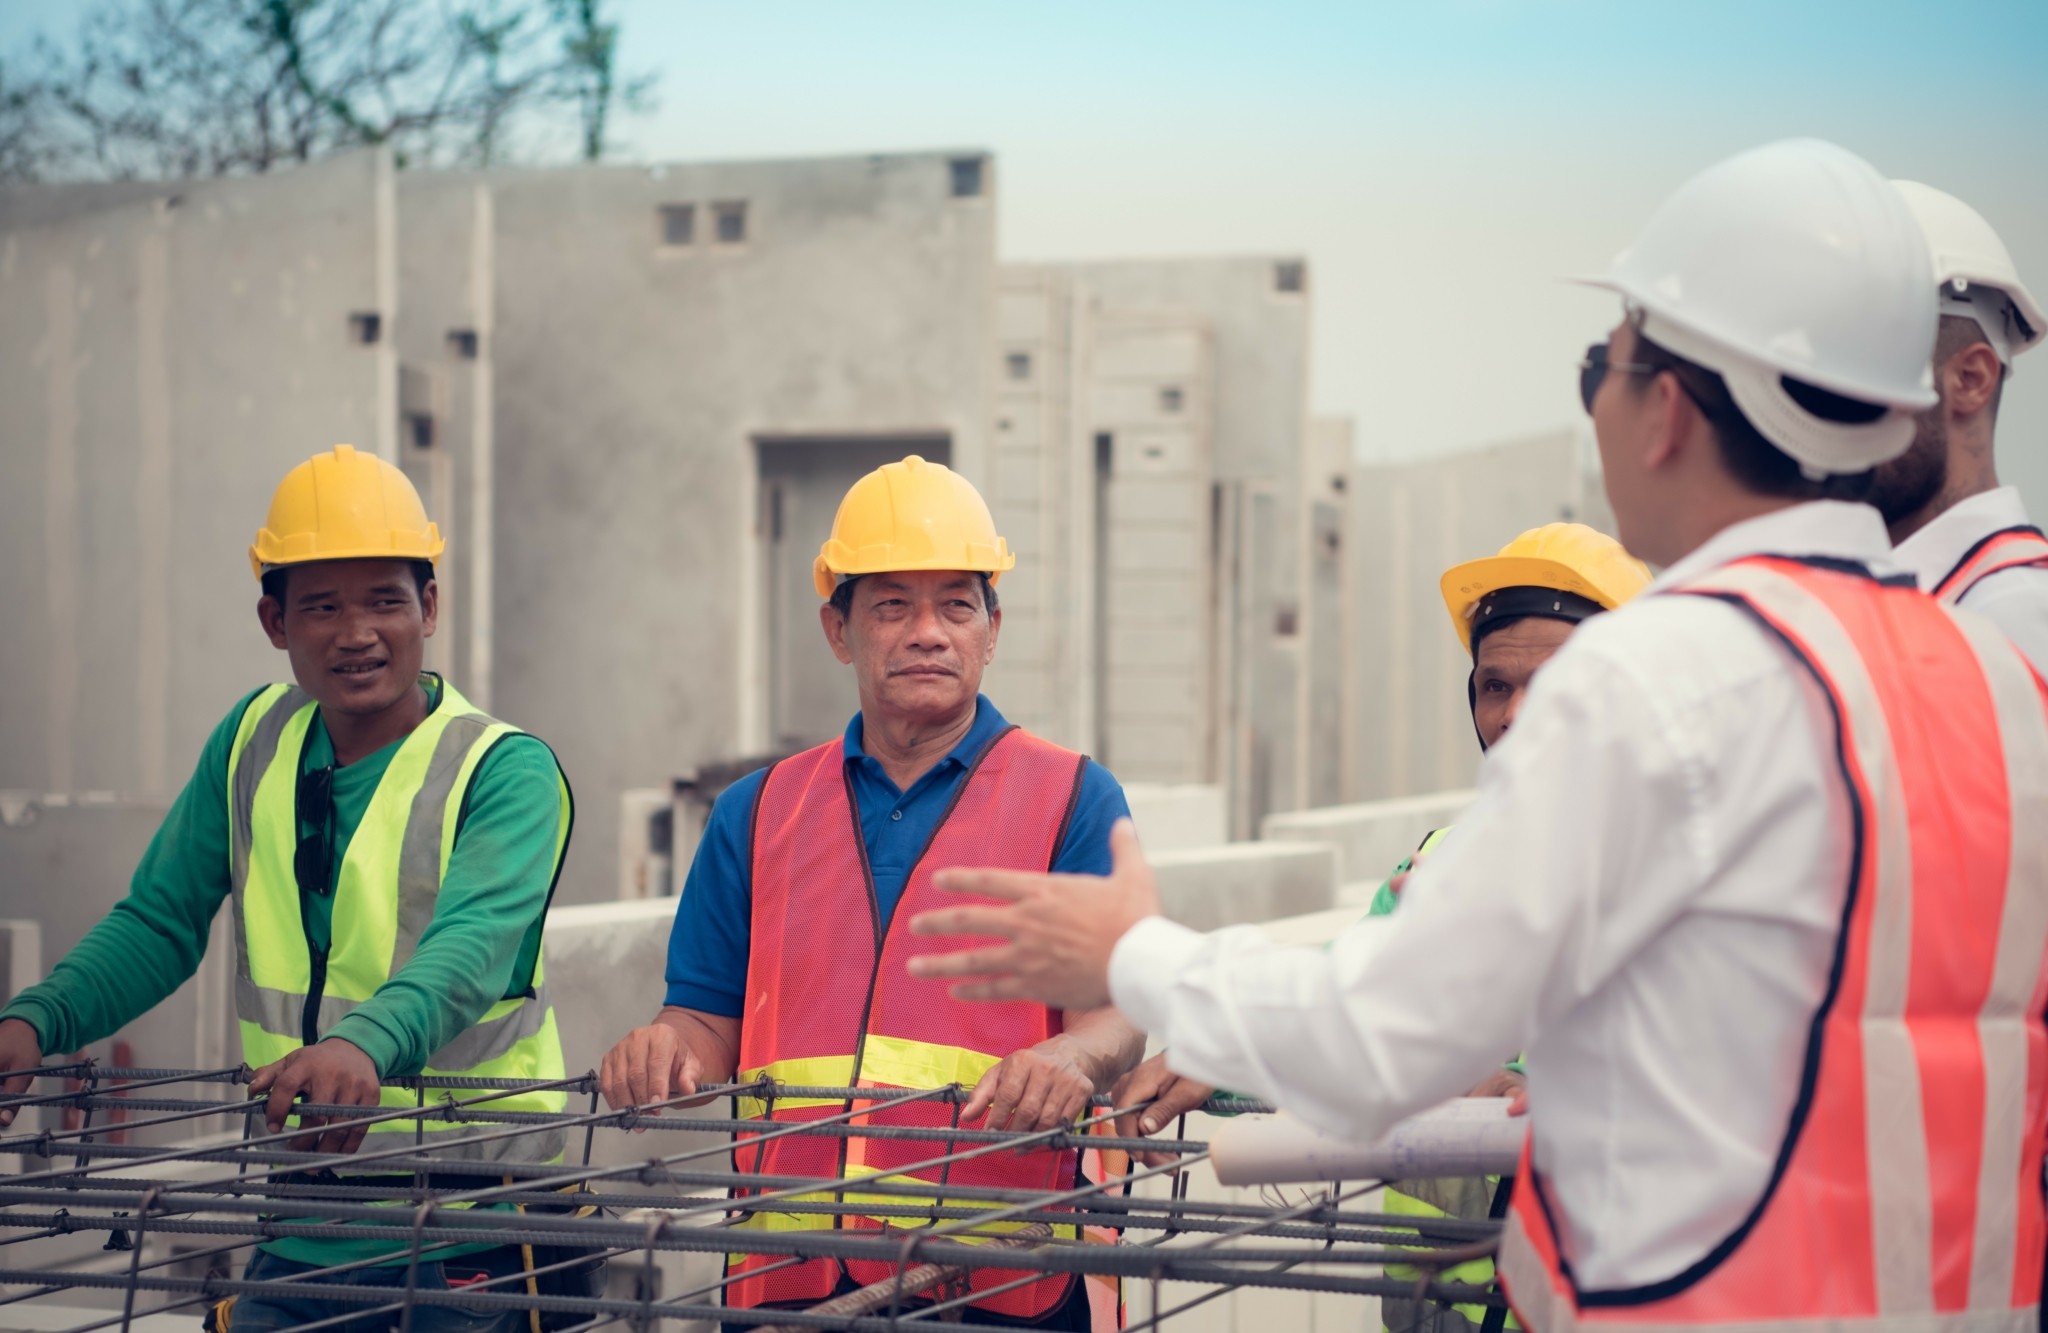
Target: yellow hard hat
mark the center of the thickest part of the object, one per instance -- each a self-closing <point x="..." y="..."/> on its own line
<point x="1582" y="564"/>
<point x="343" y="505"/>
<point x="911" y="515"/>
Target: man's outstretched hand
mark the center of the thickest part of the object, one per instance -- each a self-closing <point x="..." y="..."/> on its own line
<point x="1059" y="929"/>
<point x="332" y="1072"/>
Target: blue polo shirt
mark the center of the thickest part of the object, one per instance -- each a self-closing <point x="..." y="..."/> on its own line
<point x="707" y="946"/>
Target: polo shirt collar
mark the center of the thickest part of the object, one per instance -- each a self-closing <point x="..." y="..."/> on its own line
<point x="988" y="723"/>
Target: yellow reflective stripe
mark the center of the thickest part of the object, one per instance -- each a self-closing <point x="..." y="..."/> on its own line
<point x="451" y="814"/>
<point x="899" y="1062"/>
<point x="814" y="1071"/>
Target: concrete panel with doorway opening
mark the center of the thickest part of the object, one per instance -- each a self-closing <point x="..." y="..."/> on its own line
<point x="640" y="350"/>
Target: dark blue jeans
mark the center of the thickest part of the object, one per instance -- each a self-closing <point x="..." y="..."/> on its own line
<point x="268" y="1314"/>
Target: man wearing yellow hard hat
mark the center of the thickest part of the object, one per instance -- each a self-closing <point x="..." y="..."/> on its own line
<point x="1511" y="611"/>
<point x="389" y="852"/>
<point x="787" y="956"/>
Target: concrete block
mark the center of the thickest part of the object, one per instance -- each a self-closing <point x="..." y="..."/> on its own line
<point x="1370" y="838"/>
<point x="1178" y="816"/>
<point x="604" y="968"/>
<point x="1245" y="882"/>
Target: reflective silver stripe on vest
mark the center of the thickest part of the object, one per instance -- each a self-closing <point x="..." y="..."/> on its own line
<point x="283" y="1011"/>
<point x="250" y="767"/>
<point x="419" y="855"/>
<point x="494" y="1037"/>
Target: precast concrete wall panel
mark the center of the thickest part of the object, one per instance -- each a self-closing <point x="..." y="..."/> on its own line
<point x="634" y="375"/>
<point x="1408" y="524"/>
<point x="169" y="352"/>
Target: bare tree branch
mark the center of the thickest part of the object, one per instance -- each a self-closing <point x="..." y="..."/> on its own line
<point x="155" y="88"/>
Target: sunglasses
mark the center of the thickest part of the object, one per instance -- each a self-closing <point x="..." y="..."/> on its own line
<point x="316" y="807"/>
<point x="1593" y="372"/>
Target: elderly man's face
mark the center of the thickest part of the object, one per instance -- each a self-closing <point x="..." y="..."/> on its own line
<point x="917" y="641"/>
<point x="1505" y="664"/>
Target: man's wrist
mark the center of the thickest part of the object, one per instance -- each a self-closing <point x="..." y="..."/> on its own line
<point x="372" y="1041"/>
<point x="26" y="1011"/>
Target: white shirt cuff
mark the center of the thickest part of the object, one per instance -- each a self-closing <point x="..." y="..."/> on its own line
<point x="1144" y="966"/>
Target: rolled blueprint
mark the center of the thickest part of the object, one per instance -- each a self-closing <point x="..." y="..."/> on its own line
<point x="1473" y="1136"/>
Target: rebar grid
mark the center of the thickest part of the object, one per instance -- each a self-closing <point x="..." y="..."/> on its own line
<point x="243" y="1186"/>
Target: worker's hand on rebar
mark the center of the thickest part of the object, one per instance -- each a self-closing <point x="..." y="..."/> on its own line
<point x="20" y="1049"/>
<point x="649" y="1065"/>
<point x="1171" y="1097"/>
<point x="1061" y="929"/>
<point x="1040" y="1087"/>
<point x="332" y="1072"/>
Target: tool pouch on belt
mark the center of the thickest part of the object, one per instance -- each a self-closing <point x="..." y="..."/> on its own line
<point x="562" y="1270"/>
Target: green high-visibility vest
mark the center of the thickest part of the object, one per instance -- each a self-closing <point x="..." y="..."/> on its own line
<point x="287" y="995"/>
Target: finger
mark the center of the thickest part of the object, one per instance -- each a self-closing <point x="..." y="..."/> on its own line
<point x="1002" y="988"/>
<point x="1183" y="1096"/>
<point x="1011" y="1080"/>
<point x="264" y="1077"/>
<point x="366" y="1094"/>
<point x="689" y="1070"/>
<point x="1125" y="855"/>
<point x="1008" y="885"/>
<point x="984" y="1092"/>
<point x="608" y="1081"/>
<point x="1074" y="1103"/>
<point x="13" y="1087"/>
<point x="284" y="1089"/>
<point x="663" y="1055"/>
<point x="641" y="1052"/>
<point x="1520" y="1105"/>
<point x="997" y="921"/>
<point x="981" y="962"/>
<point x="1034" y="1100"/>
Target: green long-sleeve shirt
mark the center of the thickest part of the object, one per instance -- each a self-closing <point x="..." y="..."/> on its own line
<point x="480" y="947"/>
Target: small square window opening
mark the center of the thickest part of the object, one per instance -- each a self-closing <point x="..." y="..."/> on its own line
<point x="1018" y="364"/>
<point x="731" y="222"/>
<point x="1290" y="275"/>
<point x="1171" y="398"/>
<point x="967" y="177"/>
<point x="678" y="225"/>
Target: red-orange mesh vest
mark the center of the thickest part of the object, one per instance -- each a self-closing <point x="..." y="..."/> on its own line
<point x="2008" y="548"/>
<point x="830" y="1000"/>
<point x="1907" y="1188"/>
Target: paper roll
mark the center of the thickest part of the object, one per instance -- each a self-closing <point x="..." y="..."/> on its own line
<point x="1473" y="1136"/>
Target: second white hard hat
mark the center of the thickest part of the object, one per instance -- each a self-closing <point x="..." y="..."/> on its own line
<point x="1974" y="272"/>
<point x="1793" y="261"/>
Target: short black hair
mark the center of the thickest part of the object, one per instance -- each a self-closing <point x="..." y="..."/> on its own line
<point x="842" y="596"/>
<point x="275" y="582"/>
<point x="1756" y="463"/>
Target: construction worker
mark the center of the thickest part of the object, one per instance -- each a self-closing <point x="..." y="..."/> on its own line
<point x="1511" y="611"/>
<point x="1760" y="879"/>
<point x="786" y="960"/>
<point x="1968" y="539"/>
<point x="389" y="852"/>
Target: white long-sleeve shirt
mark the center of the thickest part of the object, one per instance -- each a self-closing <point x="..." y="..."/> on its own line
<point x="2015" y="599"/>
<point x="1644" y="898"/>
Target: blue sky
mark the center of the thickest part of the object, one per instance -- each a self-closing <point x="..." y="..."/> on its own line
<point x="1439" y="163"/>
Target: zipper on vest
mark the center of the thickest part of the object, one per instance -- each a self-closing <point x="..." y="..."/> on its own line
<point x="316" y="983"/>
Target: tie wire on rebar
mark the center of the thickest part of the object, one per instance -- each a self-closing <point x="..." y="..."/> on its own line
<point x="421" y="1199"/>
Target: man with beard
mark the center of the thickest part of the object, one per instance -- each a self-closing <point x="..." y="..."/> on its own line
<point x="1968" y="539"/>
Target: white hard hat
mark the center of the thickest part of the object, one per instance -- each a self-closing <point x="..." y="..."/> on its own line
<point x="1974" y="272"/>
<point x="1796" y="260"/>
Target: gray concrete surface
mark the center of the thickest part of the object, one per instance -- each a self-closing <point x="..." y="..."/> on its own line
<point x="1372" y="837"/>
<point x="1178" y="817"/>
<point x="1246" y="882"/>
<point x="167" y="354"/>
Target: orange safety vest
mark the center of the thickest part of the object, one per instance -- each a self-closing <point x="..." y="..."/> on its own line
<point x="830" y="1002"/>
<point x="1907" y="1189"/>
<point x="2007" y="548"/>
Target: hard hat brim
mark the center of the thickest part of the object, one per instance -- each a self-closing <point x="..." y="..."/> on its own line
<point x="1464" y="586"/>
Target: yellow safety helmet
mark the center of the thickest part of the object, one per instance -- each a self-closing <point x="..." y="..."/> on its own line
<point x="1584" y="571"/>
<point x="344" y="505"/>
<point x="911" y="515"/>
